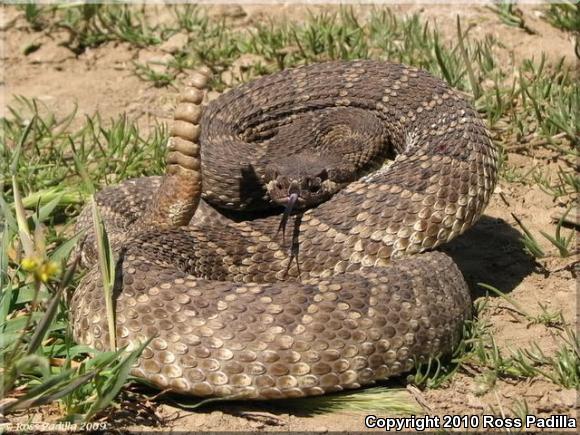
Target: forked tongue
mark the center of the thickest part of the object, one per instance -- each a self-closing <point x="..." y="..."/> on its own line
<point x="287" y="212"/>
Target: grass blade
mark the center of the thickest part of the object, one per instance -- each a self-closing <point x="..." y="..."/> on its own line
<point x="107" y="267"/>
<point x="117" y="381"/>
<point x="23" y="229"/>
<point x="50" y="396"/>
<point x="43" y="327"/>
<point x="472" y="81"/>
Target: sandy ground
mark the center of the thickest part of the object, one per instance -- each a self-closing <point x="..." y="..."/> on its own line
<point x="101" y="80"/>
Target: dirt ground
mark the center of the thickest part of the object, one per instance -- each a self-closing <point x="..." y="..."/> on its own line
<point x="101" y="80"/>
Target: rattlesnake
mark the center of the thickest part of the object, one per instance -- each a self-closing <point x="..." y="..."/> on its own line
<point x="230" y="309"/>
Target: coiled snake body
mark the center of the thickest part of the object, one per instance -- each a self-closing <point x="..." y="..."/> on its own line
<point x="232" y="311"/>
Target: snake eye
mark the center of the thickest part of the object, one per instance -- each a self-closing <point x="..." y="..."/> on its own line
<point x="314" y="185"/>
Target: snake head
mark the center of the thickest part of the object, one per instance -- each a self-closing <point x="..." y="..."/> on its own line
<point x="299" y="187"/>
<point x="303" y="181"/>
<point x="297" y="183"/>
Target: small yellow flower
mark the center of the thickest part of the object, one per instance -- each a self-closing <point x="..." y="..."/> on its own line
<point x="48" y="270"/>
<point x="29" y="264"/>
<point x="42" y="269"/>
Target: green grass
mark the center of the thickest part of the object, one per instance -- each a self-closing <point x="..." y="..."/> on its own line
<point x="159" y="79"/>
<point x="485" y="356"/>
<point x="478" y="354"/>
<point x="50" y="165"/>
<point x="563" y="243"/>
<point x="56" y="156"/>
<point x="564" y="15"/>
<point x="34" y="15"/>
<point x="538" y="108"/>
<point x="511" y="15"/>
<point x="40" y="362"/>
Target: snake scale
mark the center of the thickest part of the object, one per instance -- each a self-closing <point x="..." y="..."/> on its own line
<point x="231" y="311"/>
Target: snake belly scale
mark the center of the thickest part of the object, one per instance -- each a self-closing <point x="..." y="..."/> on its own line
<point x="228" y="315"/>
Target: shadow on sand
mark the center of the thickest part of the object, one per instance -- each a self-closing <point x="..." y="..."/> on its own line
<point x="492" y="253"/>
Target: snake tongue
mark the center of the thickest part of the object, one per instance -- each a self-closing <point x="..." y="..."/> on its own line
<point x="289" y="207"/>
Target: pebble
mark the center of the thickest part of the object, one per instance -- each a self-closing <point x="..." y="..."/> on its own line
<point x="174" y="44"/>
<point x="569" y="398"/>
<point x="155" y="60"/>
